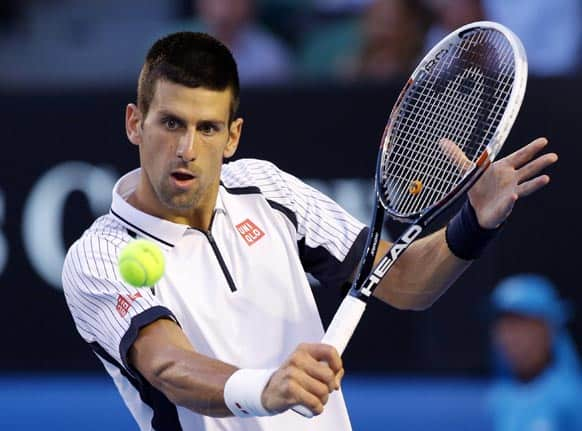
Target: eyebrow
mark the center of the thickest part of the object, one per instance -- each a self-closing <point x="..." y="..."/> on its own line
<point x="166" y="113"/>
<point x="216" y="123"/>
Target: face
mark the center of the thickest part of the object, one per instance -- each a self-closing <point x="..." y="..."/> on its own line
<point x="182" y="142"/>
<point x="525" y="342"/>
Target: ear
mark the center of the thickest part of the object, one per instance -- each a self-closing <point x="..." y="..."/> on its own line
<point x="133" y="124"/>
<point x="234" y="132"/>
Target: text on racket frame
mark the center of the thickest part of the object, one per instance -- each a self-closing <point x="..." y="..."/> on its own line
<point x="386" y="262"/>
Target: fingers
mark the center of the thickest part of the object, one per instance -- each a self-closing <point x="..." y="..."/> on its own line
<point x="305" y="379"/>
<point x="301" y="388"/>
<point x="527" y="179"/>
<point x="534" y="167"/>
<point x="515" y="176"/>
<point x="455" y="154"/>
<point x="531" y="186"/>
<point x="306" y="398"/>
<point x="525" y="154"/>
<point x="325" y="353"/>
<point x="318" y="361"/>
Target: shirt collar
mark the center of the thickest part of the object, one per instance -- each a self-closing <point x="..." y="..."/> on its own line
<point x="161" y="230"/>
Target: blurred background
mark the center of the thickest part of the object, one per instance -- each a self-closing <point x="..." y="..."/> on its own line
<point x="319" y="79"/>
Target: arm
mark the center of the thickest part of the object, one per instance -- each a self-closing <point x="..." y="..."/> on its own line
<point x="167" y="360"/>
<point x="426" y="270"/>
<point x="422" y="274"/>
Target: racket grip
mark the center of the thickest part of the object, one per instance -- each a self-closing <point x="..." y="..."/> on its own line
<point x="303" y="411"/>
<point x="344" y="323"/>
<point x="339" y="332"/>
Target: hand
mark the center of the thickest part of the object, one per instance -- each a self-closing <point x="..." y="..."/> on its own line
<point x="307" y="377"/>
<point x="515" y="176"/>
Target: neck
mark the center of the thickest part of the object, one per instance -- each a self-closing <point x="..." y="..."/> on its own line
<point x="198" y="215"/>
<point x="197" y="218"/>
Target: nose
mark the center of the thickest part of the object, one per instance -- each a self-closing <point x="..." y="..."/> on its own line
<point x="186" y="149"/>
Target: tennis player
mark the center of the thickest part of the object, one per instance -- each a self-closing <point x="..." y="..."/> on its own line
<point x="228" y="339"/>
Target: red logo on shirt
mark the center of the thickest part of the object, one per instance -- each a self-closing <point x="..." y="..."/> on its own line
<point x="124" y="303"/>
<point x="249" y="231"/>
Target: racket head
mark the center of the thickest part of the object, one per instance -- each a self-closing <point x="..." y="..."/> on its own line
<point x="450" y="119"/>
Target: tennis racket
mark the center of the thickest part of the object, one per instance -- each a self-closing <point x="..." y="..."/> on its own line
<point x="448" y="124"/>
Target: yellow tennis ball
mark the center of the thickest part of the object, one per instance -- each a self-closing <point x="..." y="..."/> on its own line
<point x="141" y="263"/>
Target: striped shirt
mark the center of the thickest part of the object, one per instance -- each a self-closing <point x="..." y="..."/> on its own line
<point x="238" y="291"/>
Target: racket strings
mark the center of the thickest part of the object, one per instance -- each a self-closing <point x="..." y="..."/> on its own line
<point x="449" y="125"/>
<point x="445" y="121"/>
<point x="422" y="151"/>
<point x="437" y="121"/>
<point x="457" y="122"/>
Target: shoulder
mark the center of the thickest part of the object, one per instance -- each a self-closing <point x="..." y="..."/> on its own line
<point x="248" y="172"/>
<point x="265" y="177"/>
<point x="100" y="243"/>
<point x="278" y="188"/>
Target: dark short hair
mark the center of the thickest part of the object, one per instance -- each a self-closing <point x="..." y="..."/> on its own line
<point x="190" y="59"/>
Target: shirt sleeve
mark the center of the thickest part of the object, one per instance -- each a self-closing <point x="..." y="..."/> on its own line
<point x="330" y="240"/>
<point x="106" y="310"/>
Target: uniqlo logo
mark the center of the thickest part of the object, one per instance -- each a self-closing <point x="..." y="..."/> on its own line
<point x="124" y="303"/>
<point x="249" y="231"/>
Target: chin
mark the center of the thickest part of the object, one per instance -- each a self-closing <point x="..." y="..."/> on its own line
<point x="181" y="204"/>
<point x="177" y="202"/>
<point x="182" y="201"/>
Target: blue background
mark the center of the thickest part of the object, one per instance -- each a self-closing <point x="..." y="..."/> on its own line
<point x="376" y="403"/>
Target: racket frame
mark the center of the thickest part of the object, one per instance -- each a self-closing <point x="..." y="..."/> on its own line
<point x="369" y="275"/>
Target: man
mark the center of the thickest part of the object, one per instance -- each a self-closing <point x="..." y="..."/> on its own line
<point x="232" y="328"/>
<point x="538" y="383"/>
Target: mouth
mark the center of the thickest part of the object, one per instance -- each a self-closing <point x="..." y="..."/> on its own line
<point x="182" y="178"/>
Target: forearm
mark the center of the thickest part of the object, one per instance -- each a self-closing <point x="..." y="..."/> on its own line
<point x="197" y="382"/>
<point x="166" y="359"/>
<point x="422" y="274"/>
<point x="194" y="381"/>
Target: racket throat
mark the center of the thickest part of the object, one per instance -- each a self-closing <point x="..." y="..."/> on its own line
<point x="398" y="247"/>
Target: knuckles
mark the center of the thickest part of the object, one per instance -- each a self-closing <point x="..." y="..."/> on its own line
<point x="289" y="389"/>
<point x="290" y="384"/>
<point x="290" y="374"/>
<point x="298" y="358"/>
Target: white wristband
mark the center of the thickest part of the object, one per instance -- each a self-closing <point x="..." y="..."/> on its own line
<point x="243" y="391"/>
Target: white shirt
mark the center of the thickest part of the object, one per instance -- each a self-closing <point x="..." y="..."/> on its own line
<point x="239" y="292"/>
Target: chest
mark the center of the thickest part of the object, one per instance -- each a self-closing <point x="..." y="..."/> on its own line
<point x="239" y="284"/>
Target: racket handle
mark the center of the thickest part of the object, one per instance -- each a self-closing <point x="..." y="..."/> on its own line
<point x="303" y="411"/>
<point x="344" y="323"/>
<point x="339" y="332"/>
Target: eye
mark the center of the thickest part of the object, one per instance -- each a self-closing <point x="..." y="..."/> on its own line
<point x="208" y="128"/>
<point x="171" y="123"/>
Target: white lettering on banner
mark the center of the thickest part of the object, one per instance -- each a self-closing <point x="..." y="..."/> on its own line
<point x="3" y="242"/>
<point x="44" y="211"/>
